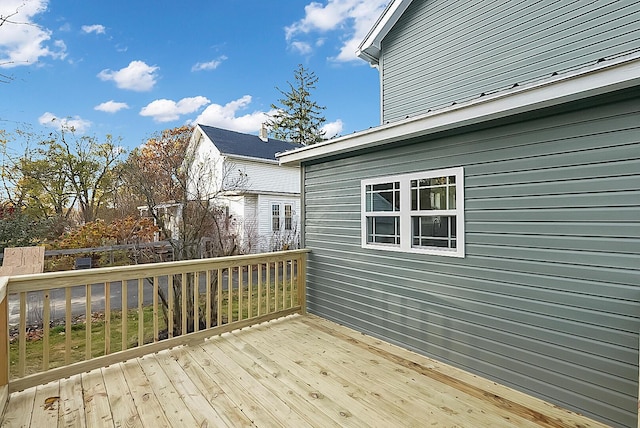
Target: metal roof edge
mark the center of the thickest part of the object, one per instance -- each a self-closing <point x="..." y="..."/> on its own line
<point x="603" y="77"/>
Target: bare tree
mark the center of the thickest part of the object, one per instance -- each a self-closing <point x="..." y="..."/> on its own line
<point x="184" y="192"/>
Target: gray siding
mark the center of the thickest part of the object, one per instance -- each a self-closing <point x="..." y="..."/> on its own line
<point x="547" y="298"/>
<point x="442" y="51"/>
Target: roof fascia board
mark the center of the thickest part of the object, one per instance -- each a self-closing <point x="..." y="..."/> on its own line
<point x="369" y="49"/>
<point x="250" y="159"/>
<point x="620" y="73"/>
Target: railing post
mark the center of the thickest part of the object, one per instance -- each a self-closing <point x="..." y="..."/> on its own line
<point x="4" y="344"/>
<point x="302" y="283"/>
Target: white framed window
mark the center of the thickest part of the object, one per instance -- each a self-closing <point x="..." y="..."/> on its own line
<point x="282" y="216"/>
<point x="288" y="217"/>
<point x="275" y="217"/>
<point x="420" y="212"/>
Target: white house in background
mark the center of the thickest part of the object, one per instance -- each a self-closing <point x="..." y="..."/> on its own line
<point x="262" y="197"/>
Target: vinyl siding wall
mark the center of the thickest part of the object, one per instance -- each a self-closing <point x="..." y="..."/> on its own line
<point x="443" y="51"/>
<point x="547" y="298"/>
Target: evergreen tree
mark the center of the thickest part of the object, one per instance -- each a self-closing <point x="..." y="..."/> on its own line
<point x="299" y="118"/>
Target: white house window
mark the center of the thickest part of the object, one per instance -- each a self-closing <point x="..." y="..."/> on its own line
<point x="275" y="217"/>
<point x="288" y="217"/>
<point x="420" y="212"/>
<point x="281" y="216"/>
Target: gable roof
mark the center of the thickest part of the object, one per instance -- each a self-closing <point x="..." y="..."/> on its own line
<point x="232" y="143"/>
<point x="369" y="49"/>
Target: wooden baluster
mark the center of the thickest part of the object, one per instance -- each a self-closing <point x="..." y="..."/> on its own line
<point x="292" y="263"/>
<point x="276" y="286"/>
<point x="240" y="291"/>
<point x="208" y="299"/>
<point x="219" y="300"/>
<point x="268" y="305"/>
<point x="196" y="301"/>
<point x="229" y="295"/>
<point x="183" y="294"/>
<point x="107" y="318"/>
<point x="259" y="288"/>
<point x="250" y="291"/>
<point x="124" y="314"/>
<point x="87" y="317"/>
<point x="67" y="325"/>
<point x="170" y="312"/>
<point x="155" y="309"/>
<point x="22" y="335"/>
<point x="284" y="284"/>
<point x="140" y="312"/>
<point x="46" y="323"/>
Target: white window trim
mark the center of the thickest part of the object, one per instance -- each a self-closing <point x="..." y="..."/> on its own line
<point x="405" y="213"/>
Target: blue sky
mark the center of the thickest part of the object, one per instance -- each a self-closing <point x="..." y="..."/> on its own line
<point x="131" y="68"/>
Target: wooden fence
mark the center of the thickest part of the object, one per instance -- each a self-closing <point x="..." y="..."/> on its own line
<point x="93" y="318"/>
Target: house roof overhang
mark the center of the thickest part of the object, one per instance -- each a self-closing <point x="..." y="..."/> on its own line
<point x="602" y="78"/>
<point x="369" y="49"/>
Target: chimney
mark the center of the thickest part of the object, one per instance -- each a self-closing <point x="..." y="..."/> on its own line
<point x="264" y="135"/>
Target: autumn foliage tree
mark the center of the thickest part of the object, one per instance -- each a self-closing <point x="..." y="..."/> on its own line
<point x="176" y="190"/>
<point x="62" y="175"/>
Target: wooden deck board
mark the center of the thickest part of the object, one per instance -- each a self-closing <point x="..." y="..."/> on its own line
<point x="123" y="408"/>
<point x="46" y="405"/>
<point x="97" y="410"/>
<point x="20" y="409"/>
<point x="297" y="371"/>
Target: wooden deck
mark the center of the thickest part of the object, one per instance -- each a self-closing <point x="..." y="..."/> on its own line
<point x="296" y="371"/>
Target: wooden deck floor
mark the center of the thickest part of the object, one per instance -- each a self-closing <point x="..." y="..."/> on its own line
<point x="294" y="372"/>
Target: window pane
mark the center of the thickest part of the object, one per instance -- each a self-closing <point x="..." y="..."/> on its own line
<point x="433" y="198"/>
<point x="383" y="201"/>
<point x="433" y="231"/>
<point x="452" y="198"/>
<point x="383" y="186"/>
<point x="383" y="197"/>
<point x="288" y="217"/>
<point x="275" y="217"/>
<point x="383" y="230"/>
<point x="414" y="198"/>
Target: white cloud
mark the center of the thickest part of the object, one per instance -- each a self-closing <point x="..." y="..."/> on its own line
<point x="76" y="123"/>
<point x="96" y="28"/>
<point x="302" y="48"/>
<point x="111" y="106"/>
<point x="22" y="42"/>
<point x="137" y="76"/>
<point x="211" y="65"/>
<point x="168" y="110"/>
<point x="353" y="17"/>
<point x="226" y="116"/>
<point x="332" y="129"/>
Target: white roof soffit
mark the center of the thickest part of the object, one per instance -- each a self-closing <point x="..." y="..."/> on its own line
<point x="608" y="76"/>
<point x="369" y="49"/>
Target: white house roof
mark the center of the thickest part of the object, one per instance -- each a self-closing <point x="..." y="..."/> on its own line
<point x="369" y="49"/>
<point x="603" y="77"/>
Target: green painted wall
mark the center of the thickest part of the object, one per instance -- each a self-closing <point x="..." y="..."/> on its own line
<point x="547" y="299"/>
<point x="443" y="51"/>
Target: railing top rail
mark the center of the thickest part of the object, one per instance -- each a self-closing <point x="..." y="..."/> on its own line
<point x="42" y="281"/>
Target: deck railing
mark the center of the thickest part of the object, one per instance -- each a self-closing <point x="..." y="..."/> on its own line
<point x="62" y="323"/>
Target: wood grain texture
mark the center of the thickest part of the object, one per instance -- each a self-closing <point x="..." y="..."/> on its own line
<point x="295" y="371"/>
